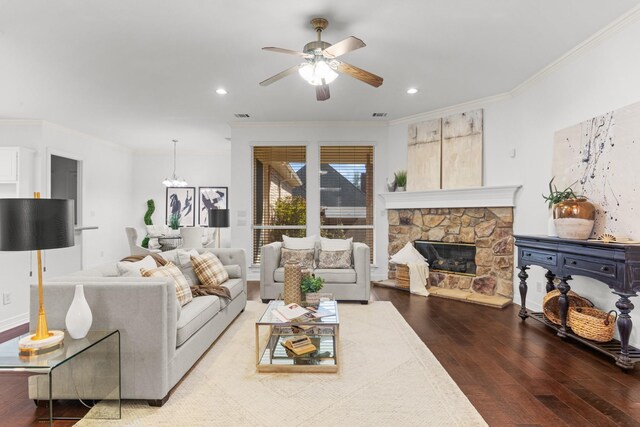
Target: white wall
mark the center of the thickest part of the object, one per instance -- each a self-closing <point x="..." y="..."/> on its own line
<point x="204" y="168"/>
<point x="602" y="76"/>
<point x="107" y="179"/>
<point x="312" y="135"/>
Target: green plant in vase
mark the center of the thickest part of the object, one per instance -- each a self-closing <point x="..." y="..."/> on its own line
<point x="401" y="180"/>
<point x="556" y="196"/>
<point x="311" y="285"/>
<point x="151" y="207"/>
<point x="174" y="221"/>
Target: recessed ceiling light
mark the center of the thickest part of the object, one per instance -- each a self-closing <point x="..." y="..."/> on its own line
<point x="412" y="90"/>
<point x="221" y="91"/>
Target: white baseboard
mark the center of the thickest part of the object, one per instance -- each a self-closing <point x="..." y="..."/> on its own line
<point x="14" y="321"/>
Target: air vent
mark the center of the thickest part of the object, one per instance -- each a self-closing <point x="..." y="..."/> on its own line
<point x="379" y="114"/>
<point x="241" y="115"/>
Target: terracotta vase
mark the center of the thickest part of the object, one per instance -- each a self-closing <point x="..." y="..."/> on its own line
<point x="574" y="218"/>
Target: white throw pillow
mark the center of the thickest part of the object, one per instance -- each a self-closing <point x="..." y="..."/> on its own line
<point x="333" y="245"/>
<point x="407" y="255"/>
<point x="183" y="256"/>
<point x="299" y="242"/>
<point x="132" y="269"/>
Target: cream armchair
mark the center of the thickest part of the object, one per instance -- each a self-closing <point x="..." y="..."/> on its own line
<point x="351" y="284"/>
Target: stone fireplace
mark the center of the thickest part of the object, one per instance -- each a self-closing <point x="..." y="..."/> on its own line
<point x="466" y="234"/>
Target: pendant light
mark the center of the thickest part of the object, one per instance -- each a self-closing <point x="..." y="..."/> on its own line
<point x="174" y="181"/>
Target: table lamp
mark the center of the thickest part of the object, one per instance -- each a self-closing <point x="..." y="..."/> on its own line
<point x="219" y="218"/>
<point x="37" y="224"/>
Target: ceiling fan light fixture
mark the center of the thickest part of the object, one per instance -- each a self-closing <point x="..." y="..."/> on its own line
<point x="317" y="71"/>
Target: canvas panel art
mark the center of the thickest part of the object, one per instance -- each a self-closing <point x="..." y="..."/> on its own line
<point x="600" y="158"/>
<point x="181" y="202"/>
<point x="445" y="152"/>
<point x="211" y="198"/>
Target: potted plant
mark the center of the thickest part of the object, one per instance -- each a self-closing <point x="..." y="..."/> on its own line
<point x="571" y="216"/>
<point x="151" y="207"/>
<point x="174" y="223"/>
<point x="310" y="287"/>
<point x="401" y="180"/>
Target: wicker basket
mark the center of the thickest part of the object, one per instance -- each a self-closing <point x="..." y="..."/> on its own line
<point x="593" y="324"/>
<point x="551" y="307"/>
<point x="402" y="276"/>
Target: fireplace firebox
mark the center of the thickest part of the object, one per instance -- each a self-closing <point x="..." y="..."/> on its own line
<point x="453" y="258"/>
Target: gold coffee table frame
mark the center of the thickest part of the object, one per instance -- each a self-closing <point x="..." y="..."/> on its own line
<point x="271" y="356"/>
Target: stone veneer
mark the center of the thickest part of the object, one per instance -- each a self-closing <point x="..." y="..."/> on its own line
<point x="490" y="229"/>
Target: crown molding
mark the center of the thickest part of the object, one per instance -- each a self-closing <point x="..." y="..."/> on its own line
<point x="235" y="125"/>
<point x="445" y="111"/>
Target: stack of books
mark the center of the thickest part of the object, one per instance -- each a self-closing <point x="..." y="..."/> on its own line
<point x="296" y="313"/>
<point x="299" y="345"/>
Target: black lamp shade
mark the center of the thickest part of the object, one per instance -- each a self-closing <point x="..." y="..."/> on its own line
<point x="31" y="224"/>
<point x="219" y="218"/>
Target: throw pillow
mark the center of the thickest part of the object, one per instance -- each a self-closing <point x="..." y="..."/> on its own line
<point x="335" y="244"/>
<point x="183" y="291"/>
<point x="407" y="255"/>
<point x="189" y="274"/>
<point x="234" y="270"/>
<point x="183" y="256"/>
<point x="209" y="269"/>
<point x="132" y="269"/>
<point x="335" y="259"/>
<point x="303" y="256"/>
<point x="299" y="242"/>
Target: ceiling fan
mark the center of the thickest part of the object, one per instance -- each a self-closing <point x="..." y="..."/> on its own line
<point x="320" y="66"/>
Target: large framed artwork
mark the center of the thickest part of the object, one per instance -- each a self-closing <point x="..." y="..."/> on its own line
<point x="211" y="198"/>
<point x="599" y="159"/>
<point x="180" y="202"/>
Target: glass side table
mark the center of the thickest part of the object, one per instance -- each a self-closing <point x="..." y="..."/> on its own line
<point x="87" y="369"/>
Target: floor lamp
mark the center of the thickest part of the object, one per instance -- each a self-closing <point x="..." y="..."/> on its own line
<point x="37" y="224"/>
<point x="219" y="218"/>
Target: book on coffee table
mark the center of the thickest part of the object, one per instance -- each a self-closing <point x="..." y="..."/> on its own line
<point x="291" y="311"/>
<point x="299" y="345"/>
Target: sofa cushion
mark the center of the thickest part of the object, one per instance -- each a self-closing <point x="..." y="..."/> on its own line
<point x="335" y="259"/>
<point x="209" y="269"/>
<point x="305" y="257"/>
<point x="299" y="242"/>
<point x="343" y="275"/>
<point x="183" y="291"/>
<point x="194" y="316"/>
<point x="234" y="271"/>
<point x="278" y="275"/>
<point x="105" y="270"/>
<point x="235" y="287"/>
<point x="132" y="269"/>
<point x="335" y="244"/>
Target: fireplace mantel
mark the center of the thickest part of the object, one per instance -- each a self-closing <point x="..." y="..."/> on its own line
<point x="478" y="197"/>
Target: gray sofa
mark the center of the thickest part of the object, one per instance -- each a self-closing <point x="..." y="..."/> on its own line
<point x="352" y="284"/>
<point x="160" y="341"/>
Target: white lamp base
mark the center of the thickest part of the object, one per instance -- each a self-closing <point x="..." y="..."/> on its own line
<point x="30" y="347"/>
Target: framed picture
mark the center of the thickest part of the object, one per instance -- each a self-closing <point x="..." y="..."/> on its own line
<point x="211" y="198"/>
<point x="180" y="202"/>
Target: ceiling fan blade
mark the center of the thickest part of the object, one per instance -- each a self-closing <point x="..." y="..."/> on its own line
<point x="288" y="52"/>
<point x="360" y="74"/>
<point x="322" y="92"/>
<point x="279" y="76"/>
<point x="344" y="46"/>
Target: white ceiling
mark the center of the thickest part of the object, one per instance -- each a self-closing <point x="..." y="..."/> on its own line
<point x="141" y="72"/>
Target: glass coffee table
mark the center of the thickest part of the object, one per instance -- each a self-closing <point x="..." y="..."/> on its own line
<point x="86" y="369"/>
<point x="272" y="356"/>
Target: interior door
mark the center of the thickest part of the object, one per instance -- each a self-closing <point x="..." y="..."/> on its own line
<point x="65" y="176"/>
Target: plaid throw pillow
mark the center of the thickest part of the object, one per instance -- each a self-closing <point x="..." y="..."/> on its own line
<point x="209" y="269"/>
<point x="183" y="291"/>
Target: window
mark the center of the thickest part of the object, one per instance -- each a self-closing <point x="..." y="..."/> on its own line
<point x="346" y="193"/>
<point x="279" y="195"/>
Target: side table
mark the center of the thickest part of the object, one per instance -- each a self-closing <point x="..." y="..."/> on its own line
<point x="87" y="369"/>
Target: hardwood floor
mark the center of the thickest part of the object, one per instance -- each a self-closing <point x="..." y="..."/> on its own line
<point x="513" y="372"/>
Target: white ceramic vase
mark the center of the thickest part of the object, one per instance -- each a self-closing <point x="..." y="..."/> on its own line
<point x="79" y="317"/>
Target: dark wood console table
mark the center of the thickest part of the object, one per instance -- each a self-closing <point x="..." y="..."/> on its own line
<point x="614" y="264"/>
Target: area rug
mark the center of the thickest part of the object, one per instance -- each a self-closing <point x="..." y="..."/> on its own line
<point x="387" y="377"/>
